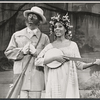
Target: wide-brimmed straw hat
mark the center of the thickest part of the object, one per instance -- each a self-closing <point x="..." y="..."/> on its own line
<point x="37" y="11"/>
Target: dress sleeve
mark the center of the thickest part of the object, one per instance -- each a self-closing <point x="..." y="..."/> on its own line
<point x="39" y="61"/>
<point x="12" y="51"/>
<point x="79" y="64"/>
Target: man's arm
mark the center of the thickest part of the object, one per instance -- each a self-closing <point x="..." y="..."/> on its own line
<point x="12" y="51"/>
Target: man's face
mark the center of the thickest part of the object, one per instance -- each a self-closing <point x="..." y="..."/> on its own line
<point x="32" y="19"/>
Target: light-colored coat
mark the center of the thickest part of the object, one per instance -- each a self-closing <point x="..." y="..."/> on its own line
<point x="34" y="79"/>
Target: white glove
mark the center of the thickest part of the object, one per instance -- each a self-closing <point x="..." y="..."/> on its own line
<point x="97" y="62"/>
<point x="32" y="49"/>
<point x="26" y="48"/>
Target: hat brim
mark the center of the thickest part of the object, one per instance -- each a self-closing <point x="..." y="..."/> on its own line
<point x="29" y="11"/>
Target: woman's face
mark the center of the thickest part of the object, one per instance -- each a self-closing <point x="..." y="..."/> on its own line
<point x="59" y="29"/>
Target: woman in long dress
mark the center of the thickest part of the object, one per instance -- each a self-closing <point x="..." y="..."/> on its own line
<point x="62" y="82"/>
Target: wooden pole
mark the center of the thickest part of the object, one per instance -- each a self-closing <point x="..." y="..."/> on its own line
<point x="15" y="90"/>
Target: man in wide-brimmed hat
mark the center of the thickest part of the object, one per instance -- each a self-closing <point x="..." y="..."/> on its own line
<point x="22" y="46"/>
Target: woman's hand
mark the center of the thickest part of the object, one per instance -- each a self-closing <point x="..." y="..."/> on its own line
<point x="97" y="62"/>
<point x="66" y="58"/>
<point x="60" y="58"/>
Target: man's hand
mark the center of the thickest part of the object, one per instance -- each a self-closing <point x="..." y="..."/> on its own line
<point x="32" y="50"/>
<point x="26" y="48"/>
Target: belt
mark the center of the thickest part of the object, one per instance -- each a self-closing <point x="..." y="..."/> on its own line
<point x="40" y="68"/>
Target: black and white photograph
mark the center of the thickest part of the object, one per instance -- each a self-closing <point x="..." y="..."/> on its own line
<point x="49" y="49"/>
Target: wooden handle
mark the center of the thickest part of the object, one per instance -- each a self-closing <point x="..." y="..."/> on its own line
<point x="87" y="60"/>
<point x="15" y="90"/>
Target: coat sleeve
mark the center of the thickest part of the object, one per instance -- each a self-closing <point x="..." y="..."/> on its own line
<point x="12" y="51"/>
<point x="47" y="40"/>
<point x="79" y="64"/>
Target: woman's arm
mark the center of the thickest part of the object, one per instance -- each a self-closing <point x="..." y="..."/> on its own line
<point x="60" y="59"/>
<point x="40" y="61"/>
<point x="48" y="60"/>
<point x="83" y="65"/>
<point x="87" y="65"/>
